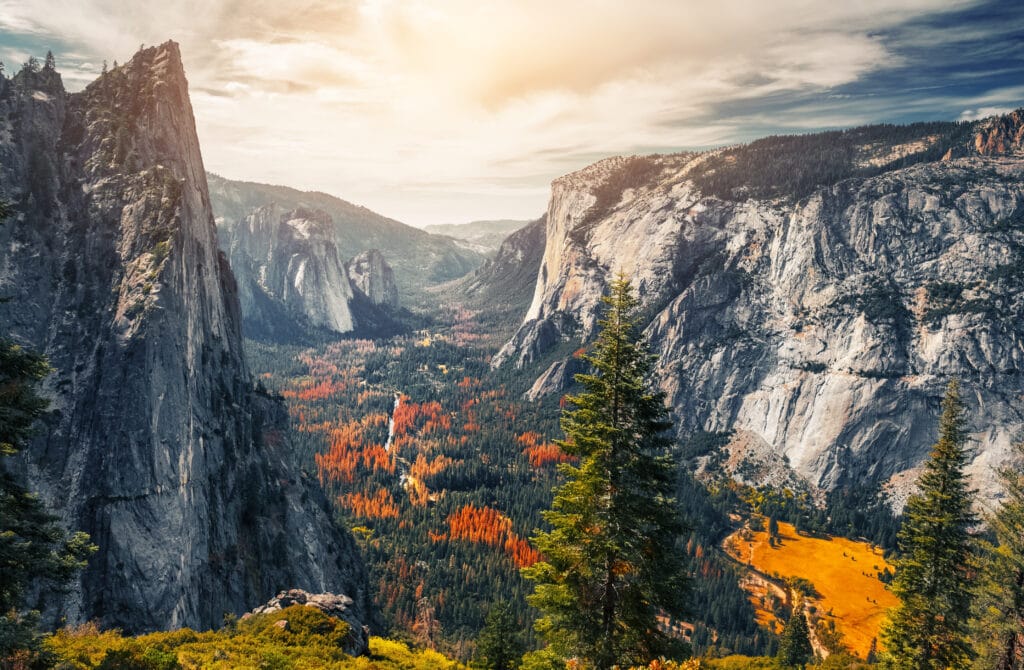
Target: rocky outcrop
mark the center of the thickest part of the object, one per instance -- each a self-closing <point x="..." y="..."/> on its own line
<point x="333" y="605"/>
<point x="293" y="281"/>
<point x="1000" y="135"/>
<point x="419" y="259"/>
<point x="373" y="277"/>
<point x="559" y="377"/>
<point x="820" y="324"/>
<point x="157" y="445"/>
<point x="289" y="271"/>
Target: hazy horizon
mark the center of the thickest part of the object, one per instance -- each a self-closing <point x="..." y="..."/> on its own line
<point x="455" y="111"/>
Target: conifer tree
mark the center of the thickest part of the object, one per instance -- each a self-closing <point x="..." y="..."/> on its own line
<point x="612" y="564"/>
<point x="33" y="548"/>
<point x="500" y="646"/>
<point x="999" y="603"/>
<point x="872" y="656"/>
<point x="795" y="649"/>
<point x="934" y="573"/>
<point x="50" y="63"/>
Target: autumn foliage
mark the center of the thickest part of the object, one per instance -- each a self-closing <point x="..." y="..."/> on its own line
<point x="423" y="468"/>
<point x="378" y="506"/>
<point x="316" y="391"/>
<point x="427" y="416"/>
<point x="540" y="452"/>
<point x="348" y="452"/>
<point x="486" y="525"/>
<point x="451" y="433"/>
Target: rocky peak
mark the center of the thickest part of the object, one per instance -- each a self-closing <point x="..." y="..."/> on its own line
<point x="36" y="79"/>
<point x="112" y="262"/>
<point x="138" y="110"/>
<point x="305" y="223"/>
<point x="1000" y="134"/>
<point x="372" y="275"/>
<point x="289" y="270"/>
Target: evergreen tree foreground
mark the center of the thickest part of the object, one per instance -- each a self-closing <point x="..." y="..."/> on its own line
<point x="34" y="550"/>
<point x="612" y="561"/>
<point x="935" y="567"/>
<point x="500" y="644"/>
<point x="999" y="603"/>
<point x="795" y="649"/>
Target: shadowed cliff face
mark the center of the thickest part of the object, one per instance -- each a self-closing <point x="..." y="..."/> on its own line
<point x="292" y="280"/>
<point x="508" y="277"/>
<point x="371" y="275"/>
<point x="290" y="272"/>
<point x="417" y="258"/>
<point x="823" y="327"/>
<point x="157" y="446"/>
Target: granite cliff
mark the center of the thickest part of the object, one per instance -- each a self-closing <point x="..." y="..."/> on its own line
<point x="371" y="275"/>
<point x="158" y="445"/>
<point x="811" y="294"/>
<point x="418" y="259"/>
<point x="507" y="279"/>
<point x="292" y="279"/>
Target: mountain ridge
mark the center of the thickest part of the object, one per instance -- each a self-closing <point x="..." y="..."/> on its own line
<point x="739" y="286"/>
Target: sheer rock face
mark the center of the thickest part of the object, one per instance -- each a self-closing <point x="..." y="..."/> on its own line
<point x="157" y="446"/>
<point x="822" y="329"/>
<point x="372" y="275"/>
<point x="288" y="269"/>
<point x="418" y="259"/>
<point x="292" y="279"/>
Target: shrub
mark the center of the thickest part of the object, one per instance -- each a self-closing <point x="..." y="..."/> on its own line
<point x="310" y="641"/>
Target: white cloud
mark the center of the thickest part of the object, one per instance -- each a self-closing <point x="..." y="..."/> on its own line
<point x="982" y="112"/>
<point x="435" y="111"/>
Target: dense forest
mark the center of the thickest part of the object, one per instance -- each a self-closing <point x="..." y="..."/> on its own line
<point x="793" y="166"/>
<point x="444" y="511"/>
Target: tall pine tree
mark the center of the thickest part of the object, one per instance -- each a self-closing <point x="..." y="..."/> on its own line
<point x="500" y="645"/>
<point x="934" y="571"/>
<point x="795" y="650"/>
<point x="34" y="550"/>
<point x="612" y="564"/>
<point x="999" y="605"/>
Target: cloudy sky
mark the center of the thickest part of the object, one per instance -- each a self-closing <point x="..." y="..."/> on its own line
<point x="451" y="110"/>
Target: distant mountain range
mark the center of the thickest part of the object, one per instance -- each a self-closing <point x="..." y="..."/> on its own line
<point x="485" y="236"/>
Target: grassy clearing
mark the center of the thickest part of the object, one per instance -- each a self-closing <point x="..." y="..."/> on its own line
<point x="844" y="573"/>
